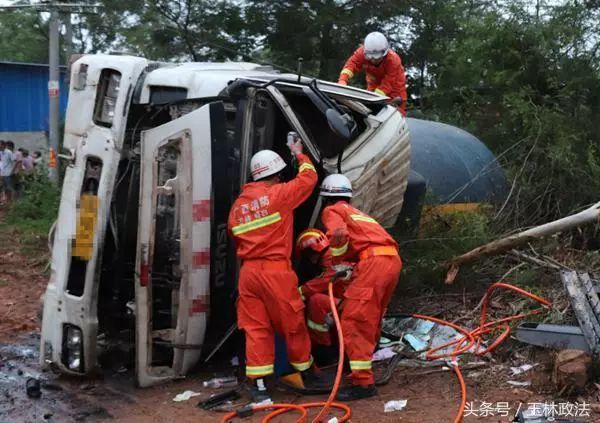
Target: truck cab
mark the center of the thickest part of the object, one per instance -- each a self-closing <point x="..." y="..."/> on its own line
<point x="156" y="154"/>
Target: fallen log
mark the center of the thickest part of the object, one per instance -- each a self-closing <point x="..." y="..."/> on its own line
<point x="504" y="244"/>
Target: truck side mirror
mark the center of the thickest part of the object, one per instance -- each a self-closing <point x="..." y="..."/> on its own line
<point x="340" y="124"/>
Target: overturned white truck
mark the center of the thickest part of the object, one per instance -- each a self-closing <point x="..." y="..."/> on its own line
<point x="157" y="153"/>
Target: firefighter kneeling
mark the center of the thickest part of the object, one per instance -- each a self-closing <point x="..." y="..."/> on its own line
<point x="312" y="244"/>
<point x="358" y="238"/>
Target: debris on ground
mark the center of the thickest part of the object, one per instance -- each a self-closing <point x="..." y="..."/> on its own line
<point x="185" y="395"/>
<point x="384" y="354"/>
<point x="221" y="382"/>
<point x="521" y="369"/>
<point x="217" y="400"/>
<point x="501" y="245"/>
<point x="267" y="401"/>
<point x="396" y="405"/>
<point x="421" y="335"/>
<point x="519" y="383"/>
<point x="32" y="386"/>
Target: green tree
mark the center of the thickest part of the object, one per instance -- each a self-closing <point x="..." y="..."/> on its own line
<point x="323" y="32"/>
<point x="23" y="36"/>
<point x="528" y="83"/>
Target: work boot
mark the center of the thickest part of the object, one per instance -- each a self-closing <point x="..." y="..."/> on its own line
<point x="325" y="355"/>
<point x="356" y="392"/>
<point x="258" y="391"/>
<point x="316" y="378"/>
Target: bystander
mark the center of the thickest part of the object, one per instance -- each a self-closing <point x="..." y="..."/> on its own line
<point x="7" y="172"/>
<point x="2" y="196"/>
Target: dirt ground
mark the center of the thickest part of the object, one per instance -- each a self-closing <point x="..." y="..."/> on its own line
<point x="432" y="395"/>
<point x="21" y="285"/>
<point x="432" y="398"/>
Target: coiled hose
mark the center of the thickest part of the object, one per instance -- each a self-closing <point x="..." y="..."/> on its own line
<point x="461" y="346"/>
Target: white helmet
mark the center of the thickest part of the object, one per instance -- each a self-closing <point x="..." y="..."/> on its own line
<point x="376" y="46"/>
<point x="336" y="185"/>
<point x="265" y="163"/>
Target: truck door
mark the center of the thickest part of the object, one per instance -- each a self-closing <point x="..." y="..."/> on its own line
<point x="172" y="283"/>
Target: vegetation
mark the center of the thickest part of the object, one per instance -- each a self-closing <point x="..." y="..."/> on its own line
<point x="36" y="208"/>
<point x="522" y="75"/>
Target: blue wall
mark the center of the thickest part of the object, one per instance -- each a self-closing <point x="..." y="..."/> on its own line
<point x="24" y="97"/>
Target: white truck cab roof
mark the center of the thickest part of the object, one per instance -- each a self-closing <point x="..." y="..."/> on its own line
<point x="209" y="79"/>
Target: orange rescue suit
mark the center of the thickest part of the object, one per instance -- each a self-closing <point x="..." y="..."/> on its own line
<point x="315" y="293"/>
<point x="357" y="237"/>
<point x="386" y="78"/>
<point x="261" y="222"/>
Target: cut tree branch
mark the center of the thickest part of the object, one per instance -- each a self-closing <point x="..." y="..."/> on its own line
<point x="504" y="244"/>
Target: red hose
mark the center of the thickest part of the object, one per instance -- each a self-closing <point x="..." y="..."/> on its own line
<point x="464" y="344"/>
<point x="303" y="408"/>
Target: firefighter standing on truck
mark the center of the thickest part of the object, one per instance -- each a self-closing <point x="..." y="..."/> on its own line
<point x="314" y="245"/>
<point x="356" y="237"/>
<point x="261" y="222"/>
<point x="383" y="67"/>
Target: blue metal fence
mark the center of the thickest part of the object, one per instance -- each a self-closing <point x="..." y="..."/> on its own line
<point x="24" y="97"/>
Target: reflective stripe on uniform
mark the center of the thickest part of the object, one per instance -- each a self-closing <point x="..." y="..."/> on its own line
<point x="256" y="224"/>
<point x="305" y="234"/>
<point x="387" y="250"/>
<point x="361" y="218"/>
<point x="348" y="72"/>
<point x="301" y="293"/>
<point x="360" y="365"/>
<point x="316" y="326"/>
<point x="336" y="252"/>
<point x="306" y="166"/>
<point x="305" y="365"/>
<point x="380" y="92"/>
<point x="259" y="370"/>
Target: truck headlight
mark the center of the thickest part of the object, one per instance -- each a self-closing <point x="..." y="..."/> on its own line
<point x="106" y="97"/>
<point x="73" y="348"/>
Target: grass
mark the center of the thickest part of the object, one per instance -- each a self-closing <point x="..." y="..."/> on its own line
<point x="441" y="237"/>
<point x="25" y="224"/>
<point x="444" y="236"/>
<point x="36" y="209"/>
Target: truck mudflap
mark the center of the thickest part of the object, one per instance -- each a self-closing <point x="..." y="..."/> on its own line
<point x="186" y="142"/>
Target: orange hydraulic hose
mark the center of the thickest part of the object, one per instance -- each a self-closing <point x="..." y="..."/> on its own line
<point x="280" y="409"/>
<point x="340" y="366"/>
<point x="462" y="346"/>
<point x="475" y="336"/>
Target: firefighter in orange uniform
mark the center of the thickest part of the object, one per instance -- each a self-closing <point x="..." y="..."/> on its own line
<point x="261" y="223"/>
<point x="356" y="237"/>
<point x="314" y="243"/>
<point x="383" y="68"/>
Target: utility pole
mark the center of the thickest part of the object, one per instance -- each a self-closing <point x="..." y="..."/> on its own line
<point x="53" y="95"/>
<point x="55" y="7"/>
